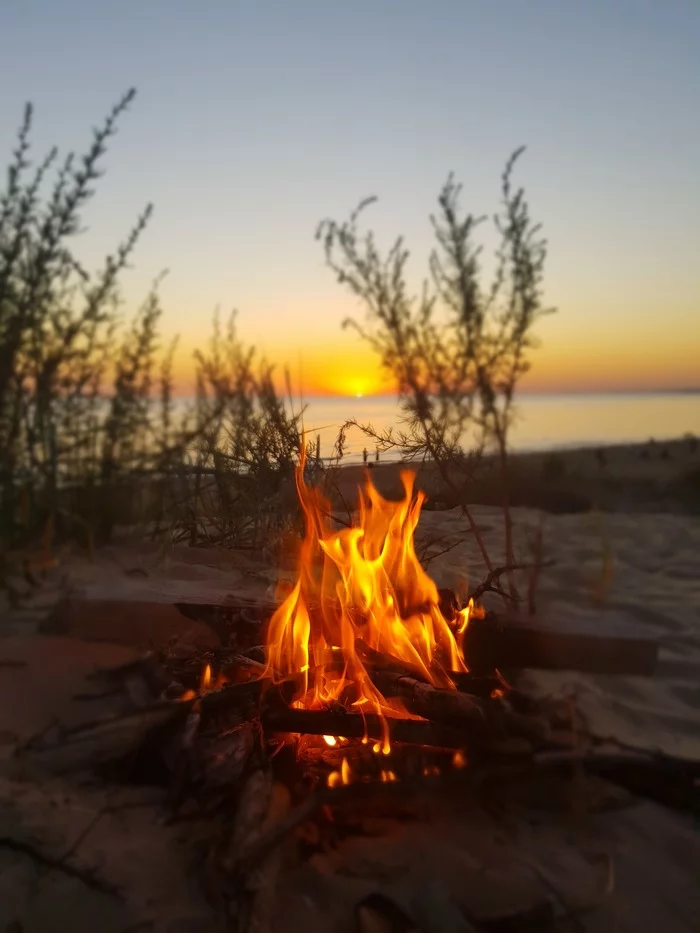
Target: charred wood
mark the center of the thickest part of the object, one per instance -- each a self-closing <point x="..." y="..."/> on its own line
<point x="220" y="761"/>
<point x="447" y="706"/>
<point x="354" y="726"/>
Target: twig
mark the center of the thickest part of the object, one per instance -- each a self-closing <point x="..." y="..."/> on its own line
<point x="89" y="879"/>
<point x="425" y="560"/>
<point x="355" y="726"/>
<point x="487" y="585"/>
<point x="336" y="518"/>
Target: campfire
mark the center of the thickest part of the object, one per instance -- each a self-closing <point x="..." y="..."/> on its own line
<point x="363" y="684"/>
<point x="363" y="614"/>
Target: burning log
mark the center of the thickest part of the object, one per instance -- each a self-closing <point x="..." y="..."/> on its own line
<point x="465" y="681"/>
<point x="446" y="706"/>
<point x="237" y="702"/>
<point x="380" y="661"/>
<point x="482" y="719"/>
<point x="355" y="726"/>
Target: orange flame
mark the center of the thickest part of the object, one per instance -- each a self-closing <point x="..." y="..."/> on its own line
<point x="206" y="685"/>
<point x="362" y="582"/>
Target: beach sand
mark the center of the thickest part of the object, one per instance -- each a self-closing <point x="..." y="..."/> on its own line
<point x="641" y="566"/>
<point x="637" y="565"/>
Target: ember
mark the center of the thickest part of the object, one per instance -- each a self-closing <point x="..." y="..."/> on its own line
<point x="361" y="591"/>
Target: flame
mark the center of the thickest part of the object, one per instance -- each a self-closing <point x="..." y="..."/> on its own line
<point x="207" y="683"/>
<point x="342" y="777"/>
<point x="363" y="583"/>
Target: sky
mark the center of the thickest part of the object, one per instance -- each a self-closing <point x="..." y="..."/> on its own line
<point x="255" y="120"/>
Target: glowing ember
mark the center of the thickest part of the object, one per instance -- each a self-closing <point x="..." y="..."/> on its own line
<point x="361" y="583"/>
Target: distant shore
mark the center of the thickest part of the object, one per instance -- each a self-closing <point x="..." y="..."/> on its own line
<point x="652" y="476"/>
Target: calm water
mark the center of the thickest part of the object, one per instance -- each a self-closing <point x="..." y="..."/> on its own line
<point x="543" y="421"/>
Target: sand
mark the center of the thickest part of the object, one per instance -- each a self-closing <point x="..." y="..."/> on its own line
<point x="638" y="566"/>
<point x="641" y="568"/>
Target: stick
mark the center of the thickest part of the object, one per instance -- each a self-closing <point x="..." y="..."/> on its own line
<point x="466" y="682"/>
<point x="386" y="662"/>
<point x="354" y="726"/>
<point x="449" y="706"/>
<point x="493" y="577"/>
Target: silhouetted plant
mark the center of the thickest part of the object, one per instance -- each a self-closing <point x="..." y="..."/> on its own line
<point x="245" y="443"/>
<point x="56" y="322"/>
<point x="458" y="350"/>
<point x="87" y="419"/>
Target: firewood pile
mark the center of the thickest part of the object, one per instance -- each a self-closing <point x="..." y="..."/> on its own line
<point x="225" y="740"/>
<point x="362" y="695"/>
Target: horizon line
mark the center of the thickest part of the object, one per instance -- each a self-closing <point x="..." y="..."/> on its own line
<point x="656" y="390"/>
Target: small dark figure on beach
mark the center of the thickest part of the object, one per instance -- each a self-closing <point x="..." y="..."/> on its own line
<point x="600" y="457"/>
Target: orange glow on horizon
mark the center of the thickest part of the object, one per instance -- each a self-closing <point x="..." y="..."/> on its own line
<point x="346" y="369"/>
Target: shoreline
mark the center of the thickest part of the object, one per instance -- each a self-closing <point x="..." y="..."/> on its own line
<point x="657" y="476"/>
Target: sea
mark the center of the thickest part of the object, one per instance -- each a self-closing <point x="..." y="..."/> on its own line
<point x="542" y="421"/>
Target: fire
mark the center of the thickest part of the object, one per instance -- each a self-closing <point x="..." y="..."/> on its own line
<point x="207" y="683"/>
<point x="361" y="584"/>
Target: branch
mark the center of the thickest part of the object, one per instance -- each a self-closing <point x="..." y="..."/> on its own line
<point x="487" y="585"/>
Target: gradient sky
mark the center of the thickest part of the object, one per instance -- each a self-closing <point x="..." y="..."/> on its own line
<point x="256" y="119"/>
